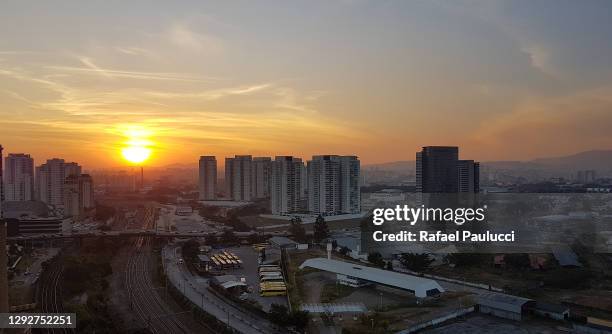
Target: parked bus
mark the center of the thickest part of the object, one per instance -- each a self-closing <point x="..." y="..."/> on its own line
<point x="271" y="286"/>
<point x="272" y="293"/>
<point x="273" y="290"/>
<point x="264" y="285"/>
<point x="263" y="266"/>
<point x="272" y="279"/>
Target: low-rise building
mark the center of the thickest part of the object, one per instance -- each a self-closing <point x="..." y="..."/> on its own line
<point x="39" y="225"/>
<point x="503" y="305"/>
<point x="352" y="272"/>
<point x="552" y="311"/>
<point x="34" y="217"/>
<point x="282" y="242"/>
<point x="184" y="211"/>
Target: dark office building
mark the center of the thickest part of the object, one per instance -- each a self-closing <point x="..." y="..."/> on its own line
<point x="436" y="169"/>
<point x="469" y="176"/>
<point x="439" y="170"/>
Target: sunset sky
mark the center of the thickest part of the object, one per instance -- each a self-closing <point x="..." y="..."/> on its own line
<point x="379" y="79"/>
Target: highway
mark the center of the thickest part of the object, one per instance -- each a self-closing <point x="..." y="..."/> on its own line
<point x="196" y="289"/>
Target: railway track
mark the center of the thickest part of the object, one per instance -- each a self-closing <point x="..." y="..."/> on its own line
<point x="50" y="298"/>
<point x="144" y="299"/>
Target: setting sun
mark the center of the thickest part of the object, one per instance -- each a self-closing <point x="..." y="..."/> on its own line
<point x="138" y="147"/>
<point x="136" y="154"/>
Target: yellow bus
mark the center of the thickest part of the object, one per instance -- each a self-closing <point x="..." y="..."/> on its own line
<point x="272" y="279"/>
<point x="267" y="285"/>
<point x="274" y="291"/>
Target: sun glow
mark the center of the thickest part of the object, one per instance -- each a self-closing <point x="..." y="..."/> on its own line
<point x="137" y="149"/>
<point x="136" y="154"/>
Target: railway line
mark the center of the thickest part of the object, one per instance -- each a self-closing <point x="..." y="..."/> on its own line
<point x="144" y="298"/>
<point x="50" y="298"/>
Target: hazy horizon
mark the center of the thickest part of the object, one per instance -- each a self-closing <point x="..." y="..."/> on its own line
<point x="501" y="80"/>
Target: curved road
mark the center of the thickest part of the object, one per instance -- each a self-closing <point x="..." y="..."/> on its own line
<point x="196" y="289"/>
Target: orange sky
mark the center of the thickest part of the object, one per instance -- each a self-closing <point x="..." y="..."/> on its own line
<point x="501" y="81"/>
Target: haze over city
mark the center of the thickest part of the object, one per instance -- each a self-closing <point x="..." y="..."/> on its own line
<point x="503" y="80"/>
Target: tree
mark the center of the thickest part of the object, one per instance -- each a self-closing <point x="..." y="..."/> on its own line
<point x="103" y="212"/>
<point x="376" y="259"/>
<point x="321" y="231"/>
<point x="210" y="239"/>
<point x="297" y="230"/>
<point x="344" y="250"/>
<point x="467" y="259"/>
<point x="209" y="211"/>
<point x="228" y="237"/>
<point x="279" y="314"/>
<point x="299" y="319"/>
<point x="190" y="249"/>
<point x="256" y="238"/>
<point x="569" y="278"/>
<point x="415" y="262"/>
<point x="237" y="224"/>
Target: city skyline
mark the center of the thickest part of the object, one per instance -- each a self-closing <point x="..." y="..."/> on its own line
<point x="503" y="80"/>
<point x="125" y="165"/>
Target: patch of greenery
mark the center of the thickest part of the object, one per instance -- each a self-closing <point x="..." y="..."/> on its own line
<point x="376" y="259"/>
<point x="332" y="292"/>
<point x="415" y="262"/>
<point x="468" y="259"/>
<point x="568" y="278"/>
<point x="85" y="273"/>
<point x="103" y="212"/>
<point x="321" y="230"/>
<point x="279" y="314"/>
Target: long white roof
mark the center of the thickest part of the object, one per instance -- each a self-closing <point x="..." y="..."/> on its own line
<point x="418" y="285"/>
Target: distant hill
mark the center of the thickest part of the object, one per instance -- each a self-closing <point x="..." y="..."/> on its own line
<point x="598" y="160"/>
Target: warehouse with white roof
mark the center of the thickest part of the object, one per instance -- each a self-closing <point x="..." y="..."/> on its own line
<point x="421" y="287"/>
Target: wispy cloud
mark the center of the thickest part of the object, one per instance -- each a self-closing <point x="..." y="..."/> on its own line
<point x="181" y="35"/>
<point x="213" y="94"/>
<point x="181" y="110"/>
<point x="93" y="69"/>
<point x="541" y="59"/>
<point x="90" y="64"/>
<point x="134" y="51"/>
